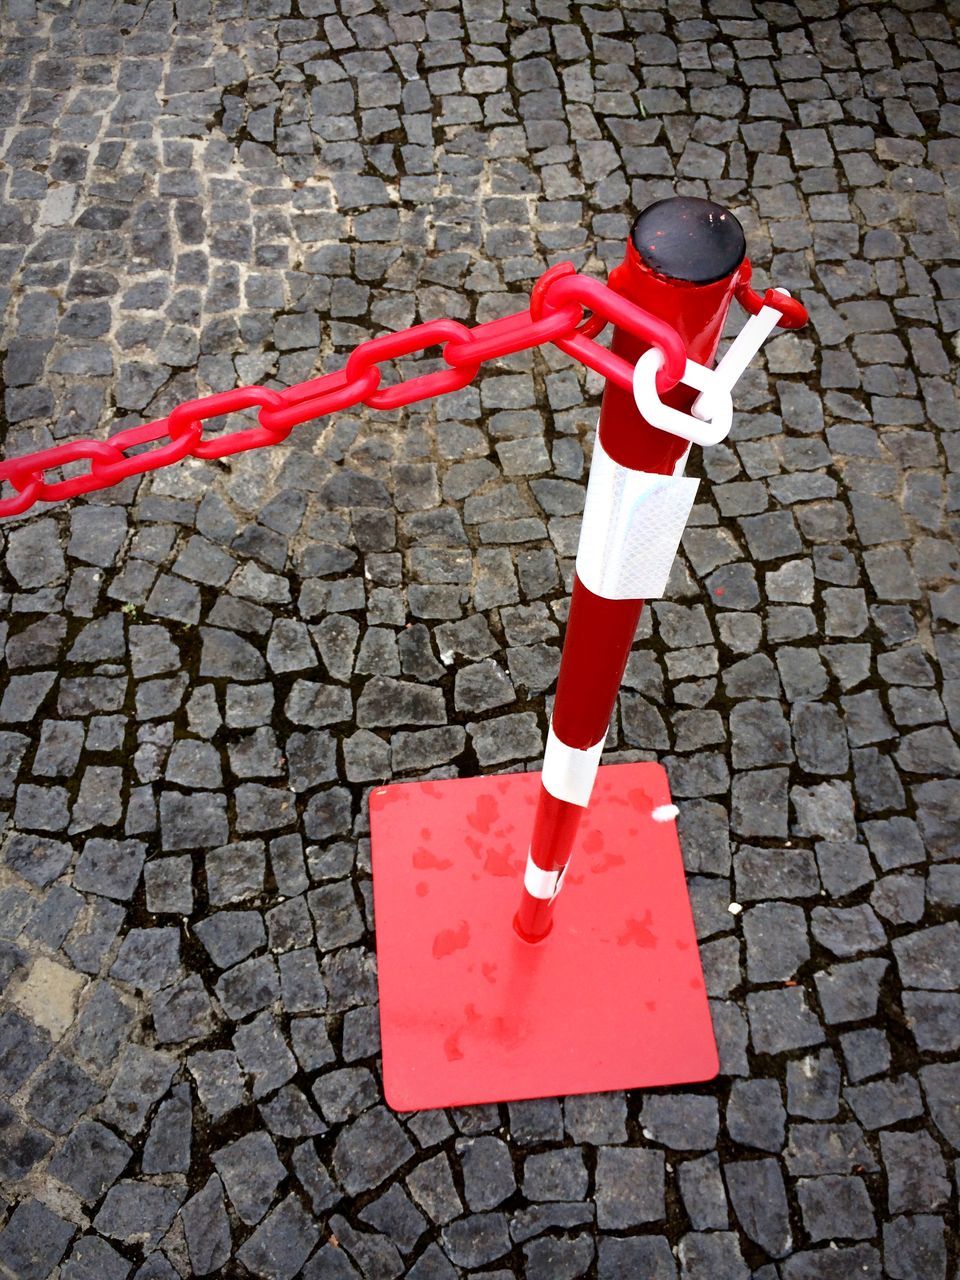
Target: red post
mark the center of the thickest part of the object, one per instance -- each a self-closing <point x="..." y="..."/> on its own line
<point x="682" y="263"/>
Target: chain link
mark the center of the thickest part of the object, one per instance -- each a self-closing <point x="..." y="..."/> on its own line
<point x="555" y="314"/>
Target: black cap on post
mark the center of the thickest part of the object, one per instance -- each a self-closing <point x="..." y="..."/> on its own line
<point x="685" y="238"/>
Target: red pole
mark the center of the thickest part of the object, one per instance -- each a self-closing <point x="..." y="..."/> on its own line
<point x="682" y="263"/>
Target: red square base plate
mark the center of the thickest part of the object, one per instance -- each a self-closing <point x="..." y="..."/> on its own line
<point x="613" y="998"/>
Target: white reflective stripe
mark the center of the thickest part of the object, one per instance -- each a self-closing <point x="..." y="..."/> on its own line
<point x="632" y="525"/>
<point x="560" y="880"/>
<point x="568" y="773"/>
<point x="539" y="883"/>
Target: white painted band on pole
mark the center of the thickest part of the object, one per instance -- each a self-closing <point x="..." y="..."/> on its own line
<point x="632" y="525"/>
<point x="569" y="773"/>
<point x="539" y="883"/>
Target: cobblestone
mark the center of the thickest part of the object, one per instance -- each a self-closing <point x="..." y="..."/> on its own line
<point x="207" y="669"/>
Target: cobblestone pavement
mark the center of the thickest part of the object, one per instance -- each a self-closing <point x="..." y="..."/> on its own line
<point x="207" y="670"/>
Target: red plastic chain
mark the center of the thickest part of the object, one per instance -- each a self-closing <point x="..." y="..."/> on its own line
<point x="555" y="314"/>
<point x="562" y="284"/>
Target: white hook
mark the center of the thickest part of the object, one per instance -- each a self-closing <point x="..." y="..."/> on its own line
<point x="702" y="432"/>
<point x="711" y="414"/>
<point x="738" y="356"/>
